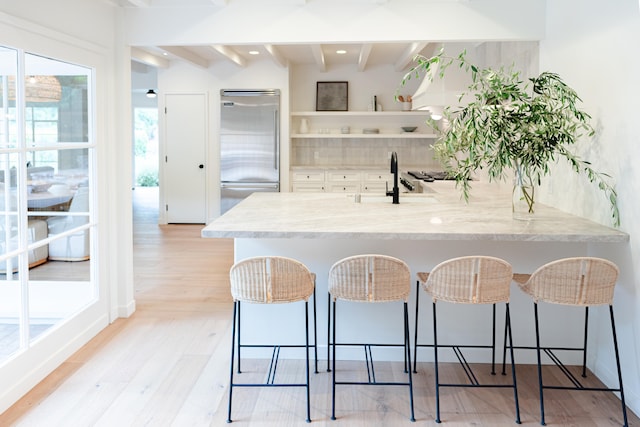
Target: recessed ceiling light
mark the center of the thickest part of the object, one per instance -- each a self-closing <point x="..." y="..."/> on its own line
<point x="341" y="51"/>
<point x="165" y="54"/>
<point x="254" y="52"/>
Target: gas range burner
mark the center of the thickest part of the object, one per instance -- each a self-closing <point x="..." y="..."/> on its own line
<point x="430" y="176"/>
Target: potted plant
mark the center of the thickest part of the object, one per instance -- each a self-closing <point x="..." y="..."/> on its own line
<point x="510" y="127"/>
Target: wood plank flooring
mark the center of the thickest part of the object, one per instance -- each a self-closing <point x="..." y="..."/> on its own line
<point x="167" y="365"/>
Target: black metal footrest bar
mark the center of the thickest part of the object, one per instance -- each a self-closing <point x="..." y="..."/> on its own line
<point x="549" y="351"/>
<point x="370" y="383"/>
<point x="368" y="358"/>
<point x="371" y="373"/>
<point x="465" y="365"/>
<point x="271" y="375"/>
<point x="273" y="364"/>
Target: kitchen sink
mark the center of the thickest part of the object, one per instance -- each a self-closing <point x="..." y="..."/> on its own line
<point x="410" y="198"/>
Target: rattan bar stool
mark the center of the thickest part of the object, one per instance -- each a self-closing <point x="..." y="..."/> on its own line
<point x="580" y="282"/>
<point x="370" y="279"/>
<point x="469" y="280"/>
<point x="271" y="280"/>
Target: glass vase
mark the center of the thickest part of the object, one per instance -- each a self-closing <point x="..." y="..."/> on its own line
<point x="523" y="196"/>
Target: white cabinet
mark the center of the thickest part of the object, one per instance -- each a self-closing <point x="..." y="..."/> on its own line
<point x="308" y="181"/>
<point x="376" y="181"/>
<point x="340" y="181"/>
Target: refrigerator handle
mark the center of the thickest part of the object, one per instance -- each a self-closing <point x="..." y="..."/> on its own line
<point x="275" y="140"/>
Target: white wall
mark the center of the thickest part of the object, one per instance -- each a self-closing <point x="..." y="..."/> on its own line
<point x="593" y="46"/>
<point x="84" y="33"/>
<point x="185" y="78"/>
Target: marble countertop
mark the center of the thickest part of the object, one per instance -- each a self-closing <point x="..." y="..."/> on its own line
<point x="436" y="215"/>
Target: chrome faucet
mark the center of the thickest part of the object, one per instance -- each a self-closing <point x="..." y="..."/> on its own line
<point x="395" y="192"/>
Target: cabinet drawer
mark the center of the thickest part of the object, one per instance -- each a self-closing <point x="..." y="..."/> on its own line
<point x="377" y="176"/>
<point x="344" y="188"/>
<point x="308" y="187"/>
<point x="374" y="187"/>
<point x="308" y="176"/>
<point x="343" y="176"/>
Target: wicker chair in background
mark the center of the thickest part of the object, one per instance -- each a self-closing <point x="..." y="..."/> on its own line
<point x="580" y="282"/>
<point x="370" y="279"/>
<point x="271" y="280"/>
<point x="469" y="280"/>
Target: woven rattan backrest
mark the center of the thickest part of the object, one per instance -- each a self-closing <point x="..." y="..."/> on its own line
<point x="370" y="278"/>
<point x="270" y="280"/>
<point x="470" y="280"/>
<point x="579" y="281"/>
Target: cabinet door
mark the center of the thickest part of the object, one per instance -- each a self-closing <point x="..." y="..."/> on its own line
<point x="377" y="176"/>
<point x="374" y="187"/>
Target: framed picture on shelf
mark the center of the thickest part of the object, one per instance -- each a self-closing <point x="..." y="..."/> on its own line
<point x="332" y="96"/>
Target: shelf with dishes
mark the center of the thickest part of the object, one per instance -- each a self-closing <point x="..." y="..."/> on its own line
<point x="411" y="135"/>
<point x="360" y="124"/>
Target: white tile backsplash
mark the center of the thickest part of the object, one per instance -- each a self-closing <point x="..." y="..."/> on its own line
<point x="362" y="152"/>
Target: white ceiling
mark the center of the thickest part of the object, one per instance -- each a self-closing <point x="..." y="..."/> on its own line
<point x="324" y="56"/>
<point x="361" y="55"/>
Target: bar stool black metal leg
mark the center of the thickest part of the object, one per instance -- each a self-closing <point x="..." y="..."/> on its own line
<point x="435" y="357"/>
<point x="513" y="363"/>
<point x="407" y="348"/>
<point x="615" y="347"/>
<point x="315" y="331"/>
<point x="584" y="347"/>
<point x="306" y="329"/>
<point x="535" y="312"/>
<point x="333" y="361"/>
<point x="328" y="332"/>
<point x="238" y="302"/>
<point x="504" y="347"/>
<point x="233" y="344"/>
<point x="493" y="341"/>
<point x="415" y="336"/>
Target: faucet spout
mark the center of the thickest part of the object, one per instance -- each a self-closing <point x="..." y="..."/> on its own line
<point x="395" y="193"/>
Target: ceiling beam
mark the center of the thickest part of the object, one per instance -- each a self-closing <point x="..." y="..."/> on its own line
<point x="139" y="3"/>
<point x="364" y="56"/>
<point x="230" y="54"/>
<point x="318" y="55"/>
<point x="187" y="55"/>
<point x="148" y="58"/>
<point x="276" y="55"/>
<point x="407" y="56"/>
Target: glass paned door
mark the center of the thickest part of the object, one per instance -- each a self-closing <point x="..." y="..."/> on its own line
<point x="46" y="165"/>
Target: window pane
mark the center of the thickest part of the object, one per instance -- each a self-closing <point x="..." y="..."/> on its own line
<point x="8" y="71"/>
<point x="56" y="95"/>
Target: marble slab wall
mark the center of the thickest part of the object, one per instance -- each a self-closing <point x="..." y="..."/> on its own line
<point x="362" y="152"/>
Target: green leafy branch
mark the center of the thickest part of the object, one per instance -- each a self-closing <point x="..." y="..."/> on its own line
<point x="506" y="123"/>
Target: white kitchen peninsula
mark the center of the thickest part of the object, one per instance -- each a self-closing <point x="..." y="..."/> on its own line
<point x="424" y="229"/>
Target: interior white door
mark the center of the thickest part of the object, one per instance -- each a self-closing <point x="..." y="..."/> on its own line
<point x="185" y="154"/>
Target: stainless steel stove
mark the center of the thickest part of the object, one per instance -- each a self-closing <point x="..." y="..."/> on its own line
<point x="430" y="176"/>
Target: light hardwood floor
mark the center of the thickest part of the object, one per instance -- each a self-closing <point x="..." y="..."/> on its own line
<point x="167" y="365"/>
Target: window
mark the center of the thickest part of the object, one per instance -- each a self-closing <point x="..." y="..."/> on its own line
<point x="46" y="222"/>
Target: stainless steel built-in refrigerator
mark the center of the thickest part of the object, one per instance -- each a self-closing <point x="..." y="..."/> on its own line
<point x="249" y="144"/>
